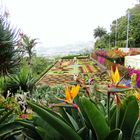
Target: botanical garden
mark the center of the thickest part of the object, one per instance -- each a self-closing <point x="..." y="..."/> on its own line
<point x="94" y="96"/>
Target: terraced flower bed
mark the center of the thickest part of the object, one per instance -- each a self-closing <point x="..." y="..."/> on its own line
<point x="64" y="70"/>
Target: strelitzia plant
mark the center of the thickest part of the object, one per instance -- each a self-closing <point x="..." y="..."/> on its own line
<point x="51" y="125"/>
<point x="116" y="86"/>
<point x="115" y="93"/>
<point x="115" y="76"/>
<point x="120" y="124"/>
<point x="70" y="94"/>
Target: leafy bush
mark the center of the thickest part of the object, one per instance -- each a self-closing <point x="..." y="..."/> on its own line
<point x="40" y="64"/>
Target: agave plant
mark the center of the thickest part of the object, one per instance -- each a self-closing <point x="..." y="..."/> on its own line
<point x="23" y="80"/>
<point x="9" y="53"/>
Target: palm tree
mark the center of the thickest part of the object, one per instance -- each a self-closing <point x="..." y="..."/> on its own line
<point x="28" y="45"/>
<point x="9" y="52"/>
<point x="99" y="32"/>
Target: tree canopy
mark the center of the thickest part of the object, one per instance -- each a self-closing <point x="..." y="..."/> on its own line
<point x="119" y="33"/>
<point x="99" y="32"/>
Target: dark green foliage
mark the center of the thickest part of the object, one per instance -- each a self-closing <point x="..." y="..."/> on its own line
<point x="96" y="119"/>
<point x="3" y="87"/>
<point x="8" y="128"/>
<point x="88" y="122"/>
<point x="9" y="53"/>
<point x="40" y="64"/>
<point x="115" y="134"/>
<point x="29" y="129"/>
<point x="54" y="121"/>
<point x="99" y="32"/>
<point x="118" y="32"/>
<point x="137" y="132"/>
<point x="101" y="43"/>
<point x="28" y="45"/>
<point x="135" y="29"/>
<point x="127" y="116"/>
<point x="135" y="10"/>
<point x="21" y="81"/>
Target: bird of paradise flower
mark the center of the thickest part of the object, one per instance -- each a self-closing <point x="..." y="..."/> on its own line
<point x="115" y="76"/>
<point x="115" y="85"/>
<point x="70" y="94"/>
<point x="116" y="80"/>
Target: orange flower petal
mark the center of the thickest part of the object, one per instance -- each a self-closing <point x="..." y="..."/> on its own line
<point x="68" y="94"/>
<point x="117" y="76"/>
<point x="74" y="91"/>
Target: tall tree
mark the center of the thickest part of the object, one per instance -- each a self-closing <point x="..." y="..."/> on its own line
<point x="135" y="9"/>
<point x="134" y="28"/>
<point x="28" y="45"/>
<point x="120" y="31"/>
<point x="9" y="52"/>
<point x="99" y="32"/>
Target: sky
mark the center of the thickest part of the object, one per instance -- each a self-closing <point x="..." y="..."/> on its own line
<point x="61" y="22"/>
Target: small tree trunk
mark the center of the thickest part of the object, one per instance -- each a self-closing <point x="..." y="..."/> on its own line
<point x="30" y="63"/>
